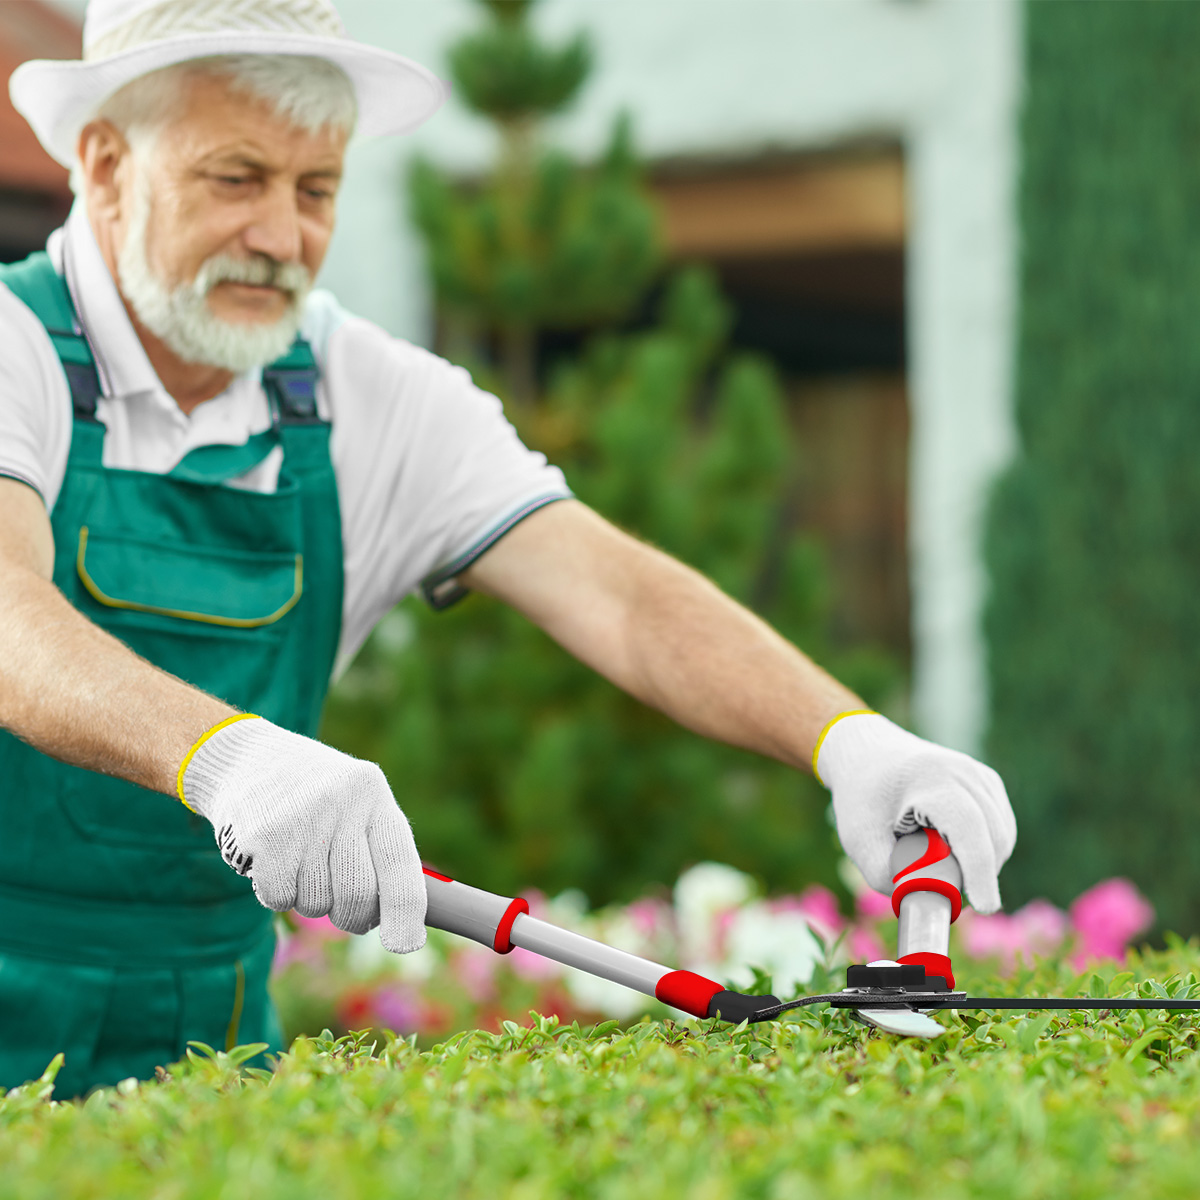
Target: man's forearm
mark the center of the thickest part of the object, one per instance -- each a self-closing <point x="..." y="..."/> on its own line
<point x="662" y="632"/>
<point x="715" y="667"/>
<point x="674" y="640"/>
<point x="79" y="695"/>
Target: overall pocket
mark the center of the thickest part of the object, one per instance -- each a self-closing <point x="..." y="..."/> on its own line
<point x="227" y="588"/>
<point x="216" y="618"/>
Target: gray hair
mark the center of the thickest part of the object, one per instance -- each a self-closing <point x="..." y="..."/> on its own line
<point x="311" y="93"/>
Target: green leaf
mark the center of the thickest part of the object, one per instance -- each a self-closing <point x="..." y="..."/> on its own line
<point x="241" y="1054"/>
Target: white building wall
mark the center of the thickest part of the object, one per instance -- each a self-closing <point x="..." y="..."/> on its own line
<point x="736" y="76"/>
<point x="963" y="160"/>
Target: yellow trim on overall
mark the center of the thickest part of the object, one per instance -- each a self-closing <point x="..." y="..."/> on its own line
<point x="187" y="758"/>
<point x="854" y="712"/>
<point x="205" y="618"/>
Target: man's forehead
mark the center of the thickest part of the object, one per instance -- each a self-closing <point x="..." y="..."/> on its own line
<point x="220" y="121"/>
<point x="252" y="155"/>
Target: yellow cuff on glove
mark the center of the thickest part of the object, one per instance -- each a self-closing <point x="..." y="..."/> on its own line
<point x="187" y="758"/>
<point x="854" y="712"/>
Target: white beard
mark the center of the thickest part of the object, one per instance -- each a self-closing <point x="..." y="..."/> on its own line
<point x="181" y="317"/>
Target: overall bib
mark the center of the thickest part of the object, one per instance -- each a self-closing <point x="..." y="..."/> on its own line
<point x="123" y="934"/>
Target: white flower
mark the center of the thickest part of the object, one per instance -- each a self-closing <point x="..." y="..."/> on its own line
<point x="780" y="943"/>
<point x="601" y="995"/>
<point x="567" y="909"/>
<point x="365" y="955"/>
<point x="701" y="895"/>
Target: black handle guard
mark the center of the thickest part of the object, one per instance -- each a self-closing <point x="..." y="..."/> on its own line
<point x="736" y="1007"/>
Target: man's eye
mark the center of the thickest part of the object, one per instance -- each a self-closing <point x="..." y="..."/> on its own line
<point x="233" y="180"/>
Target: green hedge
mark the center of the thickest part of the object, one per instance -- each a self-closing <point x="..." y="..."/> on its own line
<point x="1094" y="540"/>
<point x="1045" y="1106"/>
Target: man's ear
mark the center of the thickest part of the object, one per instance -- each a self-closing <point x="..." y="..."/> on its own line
<point x="105" y="160"/>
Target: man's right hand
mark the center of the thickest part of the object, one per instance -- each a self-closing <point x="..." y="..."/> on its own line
<point x="887" y="782"/>
<point x="315" y="829"/>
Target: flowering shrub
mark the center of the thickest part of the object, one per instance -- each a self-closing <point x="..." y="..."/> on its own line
<point x="714" y="923"/>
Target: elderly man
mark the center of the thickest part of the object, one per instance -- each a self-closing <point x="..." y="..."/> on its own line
<point x="213" y="481"/>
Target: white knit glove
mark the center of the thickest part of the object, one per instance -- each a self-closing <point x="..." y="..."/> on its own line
<point x="315" y="829"/>
<point x="886" y="782"/>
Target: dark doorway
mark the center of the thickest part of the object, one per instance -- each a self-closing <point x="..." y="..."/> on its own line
<point x="810" y="251"/>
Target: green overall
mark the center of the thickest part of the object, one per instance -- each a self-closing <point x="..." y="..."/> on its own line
<point x="123" y="934"/>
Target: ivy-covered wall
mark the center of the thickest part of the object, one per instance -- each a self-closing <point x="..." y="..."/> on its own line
<point x="1094" y="535"/>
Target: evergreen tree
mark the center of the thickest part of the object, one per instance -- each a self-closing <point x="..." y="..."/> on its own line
<point x="518" y="765"/>
<point x="540" y="243"/>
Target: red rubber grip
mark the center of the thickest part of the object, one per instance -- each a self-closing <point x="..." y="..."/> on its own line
<point x="503" y="943"/>
<point x="935" y="850"/>
<point x="929" y="885"/>
<point x="934" y="964"/>
<point x="687" y="991"/>
<point x="436" y="875"/>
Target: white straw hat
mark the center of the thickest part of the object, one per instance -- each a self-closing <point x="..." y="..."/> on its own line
<point x="125" y="39"/>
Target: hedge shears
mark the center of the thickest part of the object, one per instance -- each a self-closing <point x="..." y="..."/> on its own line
<point x="894" y="995"/>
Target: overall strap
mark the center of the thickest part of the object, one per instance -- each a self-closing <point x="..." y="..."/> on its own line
<point x="291" y="385"/>
<point x="43" y="290"/>
<point x="290" y="382"/>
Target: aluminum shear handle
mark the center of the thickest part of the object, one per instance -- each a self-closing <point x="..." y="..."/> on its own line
<point x="891" y="995"/>
<point x="502" y="924"/>
<point x="926" y="897"/>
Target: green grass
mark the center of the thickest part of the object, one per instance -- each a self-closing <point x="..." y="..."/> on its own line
<point x="1049" y="1105"/>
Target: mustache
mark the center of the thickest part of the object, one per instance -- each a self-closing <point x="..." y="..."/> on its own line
<point x="260" y="270"/>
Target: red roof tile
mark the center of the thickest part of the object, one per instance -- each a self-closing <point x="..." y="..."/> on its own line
<point x="30" y="29"/>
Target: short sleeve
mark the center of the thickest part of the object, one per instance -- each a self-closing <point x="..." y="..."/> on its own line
<point x="35" y="405"/>
<point x="430" y="472"/>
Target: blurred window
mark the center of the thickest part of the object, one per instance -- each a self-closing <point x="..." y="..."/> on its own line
<point x="810" y="250"/>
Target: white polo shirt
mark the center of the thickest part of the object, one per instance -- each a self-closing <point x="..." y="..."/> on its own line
<point x="429" y="471"/>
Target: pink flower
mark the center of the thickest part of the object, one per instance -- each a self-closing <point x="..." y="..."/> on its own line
<point x="722" y="921"/>
<point x="292" y="949"/>
<point x="652" y="918"/>
<point x="865" y="946"/>
<point x="537" y="904"/>
<point x="397" y="1009"/>
<point x="1038" y="928"/>
<point x="475" y="968"/>
<point x="995" y="936"/>
<point x="320" y="929"/>
<point x="528" y="965"/>
<point x="873" y="905"/>
<point x="1107" y="918"/>
<point x="819" y="907"/>
<point x="1044" y="925"/>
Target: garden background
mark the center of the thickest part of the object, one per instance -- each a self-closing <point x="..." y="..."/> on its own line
<point x="958" y="238"/>
<point x="877" y="310"/>
<point x="766" y="397"/>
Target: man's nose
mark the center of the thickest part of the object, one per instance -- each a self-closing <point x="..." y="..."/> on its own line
<point x="275" y="228"/>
